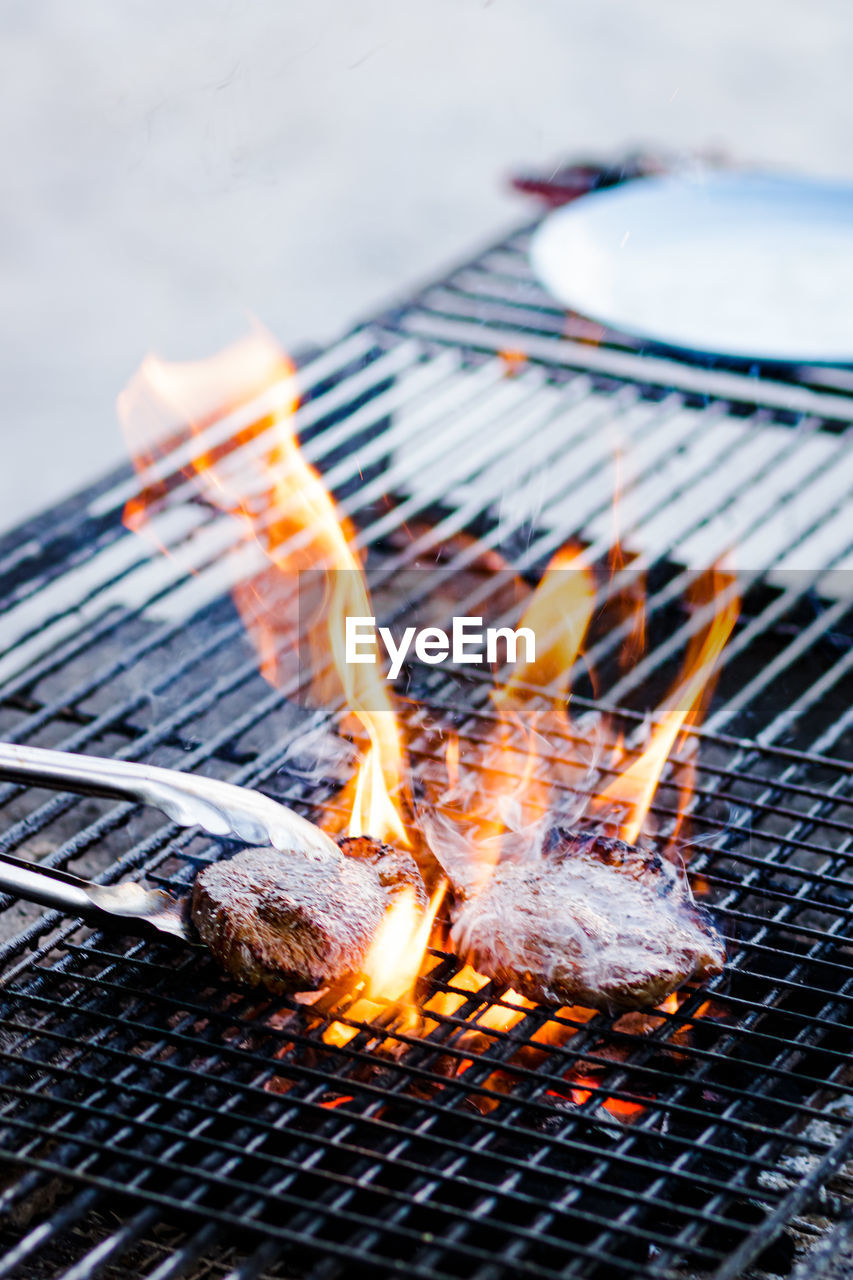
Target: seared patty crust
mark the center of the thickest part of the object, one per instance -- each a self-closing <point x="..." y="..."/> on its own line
<point x="290" y="921"/>
<point x="593" y="921"/>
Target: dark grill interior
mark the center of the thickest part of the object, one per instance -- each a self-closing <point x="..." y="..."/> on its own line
<point x="158" y="1122"/>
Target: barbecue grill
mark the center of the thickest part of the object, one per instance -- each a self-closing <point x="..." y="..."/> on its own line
<point x="158" y="1122"/>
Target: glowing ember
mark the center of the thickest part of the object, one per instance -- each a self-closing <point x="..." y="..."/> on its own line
<point x="495" y="1017"/>
<point x="341" y="1101"/>
<point x="501" y="1017"/>
<point x="622" y="1108"/>
<point x="466" y="981"/>
<point x="557" y="1032"/>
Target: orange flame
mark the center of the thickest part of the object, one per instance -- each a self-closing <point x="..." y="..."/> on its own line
<point x="558" y="615"/>
<point x="396" y="953"/>
<point x="225" y="429"/>
<point x="451" y="760"/>
<point x="508" y="787"/>
<point x="283" y="507"/>
<point x="511" y="788"/>
<point x="392" y="965"/>
<point x="634" y="787"/>
<point x="514" y="361"/>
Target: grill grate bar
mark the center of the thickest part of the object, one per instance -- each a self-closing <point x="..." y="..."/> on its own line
<point x="156" y="1084"/>
<point x="537" y="552"/>
<point x="482" y="1089"/>
<point x="736" y="961"/>
<point x="348" y="508"/>
<point x="188" y="1254"/>
<point x="70" y="594"/>
<point x="281" y="1233"/>
<point x="112" y="1247"/>
<point x="649" y="1076"/>
<point x="609" y="352"/>
<point x="254" y="1265"/>
<point x="654" y="1077"/>
<point x="40" y="1236"/>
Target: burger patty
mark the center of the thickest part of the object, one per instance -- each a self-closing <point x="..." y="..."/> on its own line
<point x="290" y="921"/>
<point x="593" y="921"/>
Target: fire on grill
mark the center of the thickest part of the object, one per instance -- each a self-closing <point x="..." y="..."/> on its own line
<point x="418" y="1113"/>
<point x="565" y="907"/>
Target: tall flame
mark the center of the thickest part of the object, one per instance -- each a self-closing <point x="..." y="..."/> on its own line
<point x="510" y="792"/>
<point x="392" y="965"/>
<point x="251" y="469"/>
<point x="634" y="787"/>
<point x="395" y="955"/>
<point x="558" y="614"/>
<point x="284" y="508"/>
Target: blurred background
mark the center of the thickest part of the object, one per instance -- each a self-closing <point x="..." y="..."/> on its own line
<point x="170" y="168"/>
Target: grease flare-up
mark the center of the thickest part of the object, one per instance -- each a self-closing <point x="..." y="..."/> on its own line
<point x="519" y="790"/>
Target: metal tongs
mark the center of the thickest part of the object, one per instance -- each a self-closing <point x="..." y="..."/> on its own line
<point x="219" y="808"/>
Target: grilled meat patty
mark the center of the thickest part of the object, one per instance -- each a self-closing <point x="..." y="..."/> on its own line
<point x="594" y="921"/>
<point x="291" y="921"/>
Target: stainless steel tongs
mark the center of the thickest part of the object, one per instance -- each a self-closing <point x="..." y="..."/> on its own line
<point x="219" y="808"/>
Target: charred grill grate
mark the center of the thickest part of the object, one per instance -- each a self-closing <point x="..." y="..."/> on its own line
<point x="153" y="1117"/>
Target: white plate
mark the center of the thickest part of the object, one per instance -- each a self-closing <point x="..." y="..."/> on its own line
<point x="746" y="266"/>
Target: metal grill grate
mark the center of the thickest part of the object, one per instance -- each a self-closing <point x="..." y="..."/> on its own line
<point x="153" y="1116"/>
